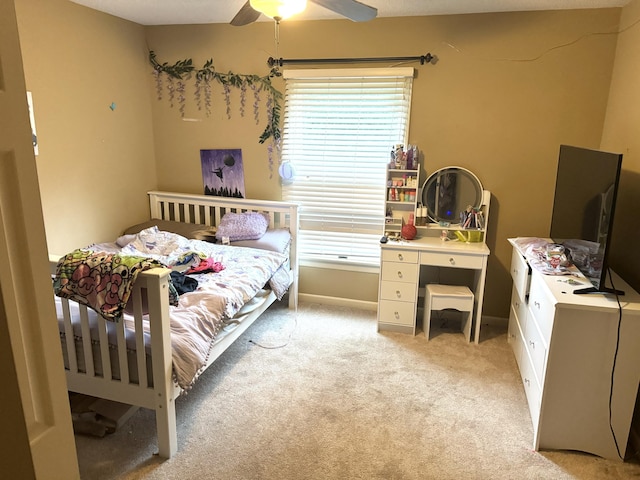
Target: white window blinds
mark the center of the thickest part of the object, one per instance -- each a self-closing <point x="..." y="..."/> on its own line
<point x="339" y="129"/>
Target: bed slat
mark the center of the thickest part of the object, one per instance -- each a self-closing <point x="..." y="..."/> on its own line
<point x="104" y="347"/>
<point x="69" y="337"/>
<point x="196" y="215"/>
<point x="121" y="342"/>
<point x="87" y="352"/>
<point x="141" y="357"/>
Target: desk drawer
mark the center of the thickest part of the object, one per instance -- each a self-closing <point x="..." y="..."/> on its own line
<point x="399" y="291"/>
<point x="521" y="273"/>
<point x="402" y="256"/>
<point x="396" y="313"/>
<point x="453" y="260"/>
<point x="400" y="272"/>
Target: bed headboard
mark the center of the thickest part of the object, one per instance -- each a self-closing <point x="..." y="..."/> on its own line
<point x="208" y="210"/>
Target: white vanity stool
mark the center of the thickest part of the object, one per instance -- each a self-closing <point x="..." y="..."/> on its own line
<point x="455" y="297"/>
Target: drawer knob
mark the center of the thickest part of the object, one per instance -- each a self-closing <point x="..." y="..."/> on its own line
<point x="399" y="274"/>
<point x="533" y="344"/>
<point x="400" y="257"/>
<point x="398" y="294"/>
<point x="397" y="315"/>
<point x="527" y="382"/>
<point x="537" y="305"/>
<point x="452" y="261"/>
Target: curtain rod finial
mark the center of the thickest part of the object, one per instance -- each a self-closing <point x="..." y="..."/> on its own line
<point x="428" y="58"/>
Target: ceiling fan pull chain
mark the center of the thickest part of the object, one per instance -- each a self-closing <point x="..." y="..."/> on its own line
<point x="275" y="70"/>
<point x="276" y="34"/>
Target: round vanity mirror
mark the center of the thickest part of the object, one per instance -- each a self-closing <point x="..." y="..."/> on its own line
<point x="449" y="191"/>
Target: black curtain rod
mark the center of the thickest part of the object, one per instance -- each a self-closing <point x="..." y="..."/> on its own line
<point x="428" y="58"/>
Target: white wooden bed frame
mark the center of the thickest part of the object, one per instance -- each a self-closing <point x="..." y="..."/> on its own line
<point x="159" y="393"/>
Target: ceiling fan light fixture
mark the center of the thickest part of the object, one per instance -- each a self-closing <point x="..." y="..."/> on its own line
<point x="279" y="9"/>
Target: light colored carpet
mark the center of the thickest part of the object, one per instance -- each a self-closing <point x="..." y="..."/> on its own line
<point x="341" y="401"/>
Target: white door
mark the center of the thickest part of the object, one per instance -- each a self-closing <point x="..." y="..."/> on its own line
<point x="39" y="442"/>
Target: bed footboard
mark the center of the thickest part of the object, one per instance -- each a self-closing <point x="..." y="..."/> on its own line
<point x="113" y="360"/>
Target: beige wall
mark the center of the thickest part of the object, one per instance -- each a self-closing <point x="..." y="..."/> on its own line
<point x="621" y="135"/>
<point x="507" y="90"/>
<point x="95" y="164"/>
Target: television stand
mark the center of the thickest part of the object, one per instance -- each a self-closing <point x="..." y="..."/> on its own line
<point x="612" y="289"/>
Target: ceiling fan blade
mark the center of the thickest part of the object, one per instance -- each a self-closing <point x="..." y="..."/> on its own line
<point x="245" y="16"/>
<point x="353" y="10"/>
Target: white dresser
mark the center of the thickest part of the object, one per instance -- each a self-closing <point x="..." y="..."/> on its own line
<point x="568" y="348"/>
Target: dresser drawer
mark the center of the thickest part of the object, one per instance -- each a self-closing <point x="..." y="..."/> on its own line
<point x="514" y="336"/>
<point x="536" y="348"/>
<point x="542" y="308"/>
<point x="520" y="273"/>
<point x="453" y="260"/>
<point x="403" y="256"/>
<point x="402" y="292"/>
<point x="519" y="306"/>
<point x="531" y="389"/>
<point x="400" y="272"/>
<point x="396" y="313"/>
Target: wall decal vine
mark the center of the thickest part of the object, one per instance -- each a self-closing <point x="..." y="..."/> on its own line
<point x="181" y="72"/>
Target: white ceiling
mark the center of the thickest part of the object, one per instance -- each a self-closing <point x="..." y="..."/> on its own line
<point x="172" y="12"/>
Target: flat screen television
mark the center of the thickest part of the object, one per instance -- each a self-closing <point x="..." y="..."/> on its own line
<point x="583" y="211"/>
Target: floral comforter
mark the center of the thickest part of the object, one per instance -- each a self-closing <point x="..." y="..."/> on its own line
<point x="201" y="314"/>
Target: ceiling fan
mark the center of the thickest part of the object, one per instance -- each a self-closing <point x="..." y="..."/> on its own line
<point x="279" y="9"/>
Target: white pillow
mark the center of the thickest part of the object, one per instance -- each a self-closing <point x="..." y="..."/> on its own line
<point x="242" y="226"/>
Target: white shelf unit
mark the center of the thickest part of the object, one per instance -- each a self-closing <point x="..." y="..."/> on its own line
<point x="402" y="195"/>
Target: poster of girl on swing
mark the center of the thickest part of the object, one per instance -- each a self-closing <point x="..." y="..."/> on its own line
<point x="223" y="172"/>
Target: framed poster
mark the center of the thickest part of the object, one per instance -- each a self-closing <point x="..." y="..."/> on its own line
<point x="223" y="172"/>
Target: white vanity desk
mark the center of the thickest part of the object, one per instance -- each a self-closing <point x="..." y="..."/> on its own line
<point x="400" y="277"/>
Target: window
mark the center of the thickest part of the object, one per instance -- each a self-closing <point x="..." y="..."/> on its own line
<point x="339" y="129"/>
